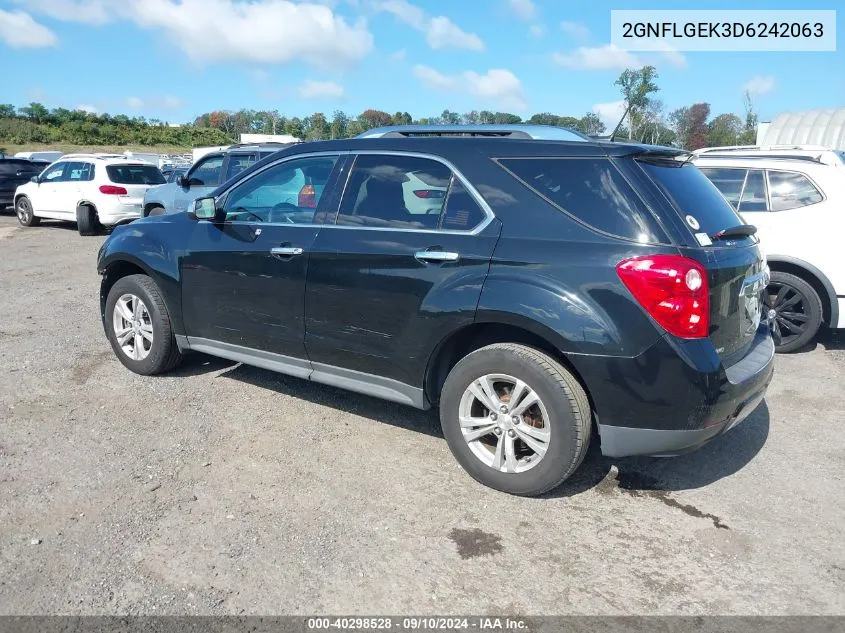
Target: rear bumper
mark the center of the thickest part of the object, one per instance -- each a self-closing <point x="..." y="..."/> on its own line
<point x="119" y="214"/>
<point x="676" y="396"/>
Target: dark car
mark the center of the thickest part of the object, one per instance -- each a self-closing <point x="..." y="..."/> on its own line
<point x="15" y="172"/>
<point x="204" y="176"/>
<point x="557" y="287"/>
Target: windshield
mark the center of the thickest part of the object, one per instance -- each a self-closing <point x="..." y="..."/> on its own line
<point x="702" y="206"/>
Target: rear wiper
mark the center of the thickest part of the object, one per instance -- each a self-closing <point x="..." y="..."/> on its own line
<point x="741" y="230"/>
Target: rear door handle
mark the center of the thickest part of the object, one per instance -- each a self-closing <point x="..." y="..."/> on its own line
<point x="286" y="251"/>
<point x="436" y="256"/>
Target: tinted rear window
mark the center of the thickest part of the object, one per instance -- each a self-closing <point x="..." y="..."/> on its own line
<point x="591" y="190"/>
<point x="694" y="195"/>
<point x="135" y="174"/>
<point x="11" y="166"/>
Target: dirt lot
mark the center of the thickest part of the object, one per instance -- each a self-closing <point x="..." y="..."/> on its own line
<point x="226" y="489"/>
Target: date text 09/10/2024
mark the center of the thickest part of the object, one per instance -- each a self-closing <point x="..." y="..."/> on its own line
<point x="417" y="623"/>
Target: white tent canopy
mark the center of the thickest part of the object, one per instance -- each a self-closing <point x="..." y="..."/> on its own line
<point x="809" y="127"/>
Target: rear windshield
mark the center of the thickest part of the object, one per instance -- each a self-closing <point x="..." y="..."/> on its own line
<point x="135" y="174"/>
<point x="698" y="199"/>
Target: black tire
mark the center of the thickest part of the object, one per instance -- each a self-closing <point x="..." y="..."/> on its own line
<point x="86" y="220"/>
<point x="164" y="354"/>
<point x="25" y="213"/>
<point x="565" y="402"/>
<point x="798" y="310"/>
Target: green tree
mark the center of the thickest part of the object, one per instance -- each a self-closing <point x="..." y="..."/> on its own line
<point x="698" y="115"/>
<point x="316" y="127"/>
<point x="636" y="86"/>
<point x="340" y="124"/>
<point x="35" y="111"/>
<point x="402" y="118"/>
<point x="591" y="125"/>
<point x="749" y="133"/>
<point x="724" y="129"/>
<point x="369" y="119"/>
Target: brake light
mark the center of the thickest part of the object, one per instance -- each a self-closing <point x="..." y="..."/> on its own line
<point x="307" y="197"/>
<point x="428" y="193"/>
<point x="111" y="190"/>
<point x="672" y="289"/>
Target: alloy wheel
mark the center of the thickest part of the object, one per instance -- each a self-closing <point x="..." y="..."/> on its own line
<point x="133" y="326"/>
<point x="24" y="211"/>
<point x="505" y="423"/>
<point x="786" y="310"/>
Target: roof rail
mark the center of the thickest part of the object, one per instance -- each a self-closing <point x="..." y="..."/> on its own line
<point x="761" y="148"/>
<point x="522" y="131"/>
<point x="728" y="155"/>
<point x="101" y="155"/>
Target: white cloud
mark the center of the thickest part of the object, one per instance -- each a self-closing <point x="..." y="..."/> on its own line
<point x="497" y="85"/>
<point x="320" y="90"/>
<point x="19" y="30"/>
<point x="610" y="113"/>
<point x="93" y="12"/>
<point x="443" y="33"/>
<point x="166" y="102"/>
<point x="759" y="84"/>
<point x="536" y="30"/>
<point x="575" y="29"/>
<point x="607" y="57"/>
<point x="524" y="9"/>
<point x="399" y="56"/>
<point x="84" y="107"/>
<point x="262" y="31"/>
<point x="440" y="31"/>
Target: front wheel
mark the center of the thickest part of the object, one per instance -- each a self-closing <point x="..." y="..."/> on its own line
<point x="515" y="418"/>
<point x="794" y="310"/>
<point x="138" y="326"/>
<point x="25" y="213"/>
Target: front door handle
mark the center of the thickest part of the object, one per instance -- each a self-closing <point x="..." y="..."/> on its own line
<point x="285" y="251"/>
<point x="436" y="256"/>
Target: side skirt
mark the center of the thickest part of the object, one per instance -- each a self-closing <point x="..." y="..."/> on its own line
<point x="360" y="382"/>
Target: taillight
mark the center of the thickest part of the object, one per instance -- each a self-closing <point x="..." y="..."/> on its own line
<point x="111" y="190"/>
<point x="428" y="193"/>
<point x="672" y="289"/>
<point x="307" y="197"/>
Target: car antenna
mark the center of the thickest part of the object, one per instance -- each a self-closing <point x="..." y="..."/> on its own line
<point x="618" y="125"/>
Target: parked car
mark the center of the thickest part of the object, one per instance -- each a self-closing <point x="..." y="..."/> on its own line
<point x="15" y="172"/>
<point x="93" y="190"/>
<point x="210" y="171"/>
<point x="171" y="174"/>
<point x="563" y="287"/>
<point x="796" y="202"/>
<point x="48" y="156"/>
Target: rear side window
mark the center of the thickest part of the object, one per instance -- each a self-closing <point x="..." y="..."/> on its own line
<point x="78" y="172"/>
<point x="591" y="190"/>
<point x="697" y="199"/>
<point x="11" y="167"/>
<point x="754" y="193"/>
<point x="395" y="192"/>
<point x="728" y="181"/>
<point x="135" y="174"/>
<point x="238" y="163"/>
<point x="790" y="190"/>
<point x="462" y="212"/>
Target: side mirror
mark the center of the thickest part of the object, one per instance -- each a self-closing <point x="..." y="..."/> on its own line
<point x="206" y="209"/>
<point x="35" y="179"/>
<point x="182" y="181"/>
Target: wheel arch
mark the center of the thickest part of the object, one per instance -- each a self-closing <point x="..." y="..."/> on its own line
<point x="456" y="345"/>
<point x="118" y="269"/>
<point x="813" y="276"/>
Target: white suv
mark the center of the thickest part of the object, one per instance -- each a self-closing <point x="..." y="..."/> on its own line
<point x="797" y="202"/>
<point x="93" y="190"/>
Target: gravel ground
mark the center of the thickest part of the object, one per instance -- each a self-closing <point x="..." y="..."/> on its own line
<point x="224" y="489"/>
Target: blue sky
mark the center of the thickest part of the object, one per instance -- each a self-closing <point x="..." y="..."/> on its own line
<point x="174" y="59"/>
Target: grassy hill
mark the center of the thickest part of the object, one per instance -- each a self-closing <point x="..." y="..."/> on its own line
<point x="67" y="148"/>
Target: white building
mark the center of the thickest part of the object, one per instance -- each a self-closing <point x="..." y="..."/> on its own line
<point x="808" y="127"/>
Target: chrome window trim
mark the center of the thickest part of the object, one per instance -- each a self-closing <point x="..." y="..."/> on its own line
<point x="482" y="203"/>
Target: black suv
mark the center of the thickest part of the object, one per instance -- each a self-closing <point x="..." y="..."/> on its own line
<point x="536" y="289"/>
<point x="15" y="172"/>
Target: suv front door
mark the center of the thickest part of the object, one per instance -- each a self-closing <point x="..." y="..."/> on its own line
<point x="203" y="178"/>
<point x="389" y="277"/>
<point x="243" y="280"/>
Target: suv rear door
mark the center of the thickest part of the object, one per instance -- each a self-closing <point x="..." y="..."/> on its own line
<point x="388" y="278"/>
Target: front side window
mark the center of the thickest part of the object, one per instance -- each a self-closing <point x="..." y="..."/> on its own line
<point x="287" y="193"/>
<point x="404" y="192"/>
<point x="54" y="173"/>
<point x="791" y="190"/>
<point x="727" y="180"/>
<point x="754" y="193"/>
<point x="207" y="172"/>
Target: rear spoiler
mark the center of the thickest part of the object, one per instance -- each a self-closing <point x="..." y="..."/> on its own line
<point x="669" y="156"/>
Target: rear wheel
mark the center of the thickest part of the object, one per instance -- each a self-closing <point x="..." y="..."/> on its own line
<point x="26" y="216"/>
<point x="794" y="309"/>
<point x="86" y="220"/>
<point x="515" y="418"/>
